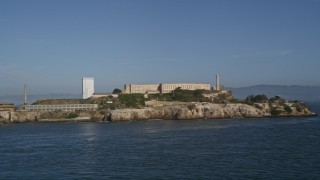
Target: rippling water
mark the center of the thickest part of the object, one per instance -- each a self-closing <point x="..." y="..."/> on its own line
<point x="197" y="149"/>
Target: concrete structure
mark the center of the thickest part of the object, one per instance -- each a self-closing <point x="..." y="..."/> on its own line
<point x="62" y="107"/>
<point x="87" y="87"/>
<point x="162" y="88"/>
<point x="5" y="106"/>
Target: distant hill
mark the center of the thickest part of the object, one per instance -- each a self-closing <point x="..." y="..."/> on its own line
<point x="303" y="93"/>
<point x="19" y="99"/>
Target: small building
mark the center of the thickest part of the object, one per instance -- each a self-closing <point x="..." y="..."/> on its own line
<point x="62" y="107"/>
<point x="6" y="106"/>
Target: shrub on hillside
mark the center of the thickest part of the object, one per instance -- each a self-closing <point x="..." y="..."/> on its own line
<point x="275" y="112"/>
<point x="72" y="115"/>
<point x="288" y="109"/>
<point x="257" y="99"/>
<point x="132" y="100"/>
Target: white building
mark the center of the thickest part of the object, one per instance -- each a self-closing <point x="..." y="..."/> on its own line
<point x="62" y="107"/>
<point x="87" y="87"/>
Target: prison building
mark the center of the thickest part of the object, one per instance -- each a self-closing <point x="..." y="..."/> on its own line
<point x="167" y="88"/>
<point x="141" y="88"/>
<point x="163" y="88"/>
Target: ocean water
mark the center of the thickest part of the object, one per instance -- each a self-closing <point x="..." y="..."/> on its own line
<point x="280" y="148"/>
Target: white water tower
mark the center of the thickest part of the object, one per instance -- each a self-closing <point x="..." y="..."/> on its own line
<point x="87" y="87"/>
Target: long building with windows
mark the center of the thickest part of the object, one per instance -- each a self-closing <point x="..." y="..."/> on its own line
<point x="163" y="87"/>
<point x="62" y="107"/>
<point x="167" y="88"/>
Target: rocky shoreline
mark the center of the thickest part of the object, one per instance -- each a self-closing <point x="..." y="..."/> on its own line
<point x="174" y="112"/>
<point x="202" y="111"/>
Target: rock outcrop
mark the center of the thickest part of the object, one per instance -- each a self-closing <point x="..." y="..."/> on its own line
<point x="182" y="111"/>
<point x="200" y="111"/>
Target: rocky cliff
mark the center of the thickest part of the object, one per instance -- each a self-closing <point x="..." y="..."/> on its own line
<point x="182" y="111"/>
<point x="202" y="111"/>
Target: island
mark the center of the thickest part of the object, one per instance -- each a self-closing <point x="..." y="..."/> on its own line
<point x="179" y="104"/>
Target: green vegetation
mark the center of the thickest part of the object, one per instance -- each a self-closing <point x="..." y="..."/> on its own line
<point x="61" y="101"/>
<point x="72" y="115"/>
<point x="288" y="109"/>
<point x="181" y="95"/>
<point x="257" y="99"/>
<point x="275" y="112"/>
<point x="277" y="99"/>
<point x="222" y="96"/>
<point x="299" y="106"/>
<point x="117" y="91"/>
<point x="59" y="115"/>
<point x="132" y="100"/>
<point x="236" y="101"/>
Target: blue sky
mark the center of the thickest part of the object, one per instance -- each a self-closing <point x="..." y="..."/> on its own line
<point x="51" y="44"/>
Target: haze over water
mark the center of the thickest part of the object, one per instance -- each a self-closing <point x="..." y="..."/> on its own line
<point x="196" y="149"/>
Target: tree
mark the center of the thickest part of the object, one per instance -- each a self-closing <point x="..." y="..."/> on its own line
<point x="275" y="112"/>
<point x="257" y="99"/>
<point x="197" y="93"/>
<point x="116" y="91"/>
<point x="277" y="99"/>
<point x="288" y="109"/>
<point x="249" y="98"/>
